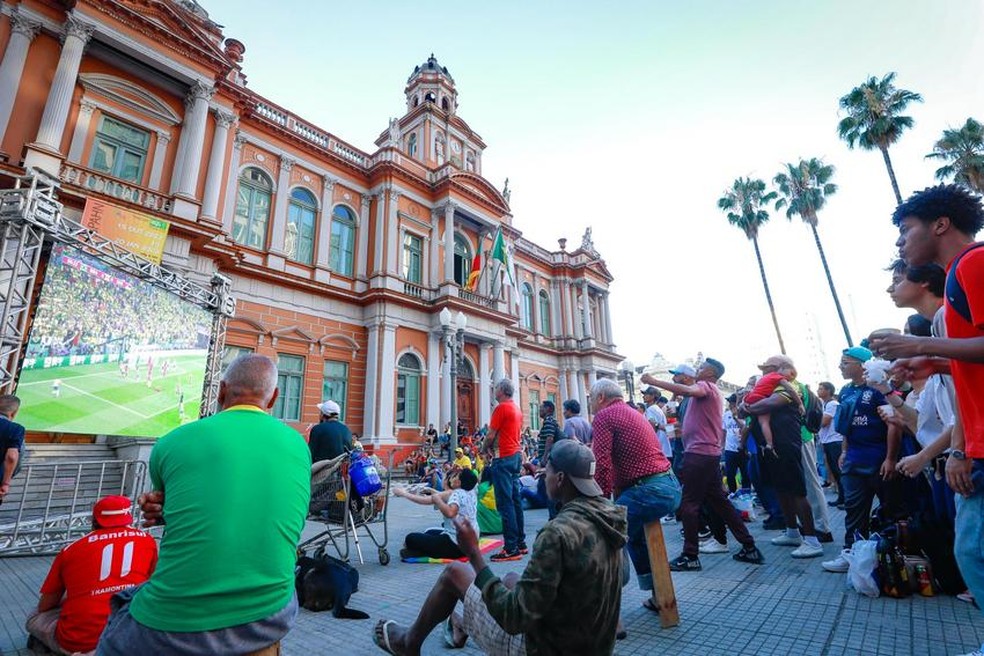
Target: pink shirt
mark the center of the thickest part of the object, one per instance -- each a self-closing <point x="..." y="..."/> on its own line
<point x="703" y="425"/>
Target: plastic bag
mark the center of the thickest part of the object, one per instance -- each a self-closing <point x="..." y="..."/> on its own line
<point x="863" y="562"/>
<point x="744" y="505"/>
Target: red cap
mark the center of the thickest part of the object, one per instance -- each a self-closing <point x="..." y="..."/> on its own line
<point x="113" y="511"/>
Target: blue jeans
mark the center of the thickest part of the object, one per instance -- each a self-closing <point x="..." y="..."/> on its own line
<point x="646" y="502"/>
<point x="767" y="496"/>
<point x="505" y="482"/>
<point x="968" y="545"/>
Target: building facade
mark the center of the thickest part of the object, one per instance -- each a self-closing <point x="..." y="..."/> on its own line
<point x="341" y="260"/>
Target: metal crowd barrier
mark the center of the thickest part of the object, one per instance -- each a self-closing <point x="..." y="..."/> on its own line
<point x="50" y="505"/>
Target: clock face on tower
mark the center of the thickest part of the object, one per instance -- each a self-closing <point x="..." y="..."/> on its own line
<point x="455" y="146"/>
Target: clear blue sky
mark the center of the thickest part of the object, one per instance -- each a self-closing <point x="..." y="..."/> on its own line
<point x="633" y="117"/>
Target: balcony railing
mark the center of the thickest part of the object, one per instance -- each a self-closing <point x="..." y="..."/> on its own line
<point x="477" y="299"/>
<point x="104" y="184"/>
<point x="308" y="132"/>
<point x="416" y="291"/>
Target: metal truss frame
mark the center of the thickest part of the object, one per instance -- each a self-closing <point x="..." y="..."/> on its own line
<point x="31" y="215"/>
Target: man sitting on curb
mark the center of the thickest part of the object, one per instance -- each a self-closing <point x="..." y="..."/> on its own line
<point x="567" y="600"/>
<point x="75" y="595"/>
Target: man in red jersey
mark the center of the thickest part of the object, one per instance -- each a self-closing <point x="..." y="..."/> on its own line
<point x="75" y="596"/>
<point x="938" y="225"/>
<point x="502" y="448"/>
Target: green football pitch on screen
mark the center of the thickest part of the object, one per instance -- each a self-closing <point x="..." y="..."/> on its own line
<point x="97" y="398"/>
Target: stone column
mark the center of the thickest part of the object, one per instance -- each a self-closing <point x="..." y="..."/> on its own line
<point x="22" y="32"/>
<point x="323" y="244"/>
<point x="434" y="379"/>
<point x="449" y="208"/>
<point x="193" y="136"/>
<point x="514" y="374"/>
<point x="576" y="327"/>
<point x="535" y="319"/>
<point x="562" y="375"/>
<point x="435" y="239"/>
<point x="232" y="184"/>
<point x="380" y="243"/>
<point x="387" y="384"/>
<point x="592" y="379"/>
<point x="572" y="387"/>
<point x="498" y="362"/>
<point x="372" y="382"/>
<point x="160" y="154"/>
<point x="446" y="395"/>
<point x="77" y="35"/>
<point x="216" y="165"/>
<point x="393" y="234"/>
<point x="362" y="250"/>
<point x="586" y="310"/>
<point x="582" y="394"/>
<point x="609" y="339"/>
<point x="484" y="385"/>
<point x="279" y="230"/>
<point x="82" y="123"/>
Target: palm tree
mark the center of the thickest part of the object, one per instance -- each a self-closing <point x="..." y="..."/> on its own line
<point x="874" y="118"/>
<point x="963" y="150"/>
<point x="743" y="204"/>
<point x="804" y="188"/>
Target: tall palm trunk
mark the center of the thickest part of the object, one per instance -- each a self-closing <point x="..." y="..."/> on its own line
<point x="768" y="295"/>
<point x="830" y="281"/>
<point x="891" y="176"/>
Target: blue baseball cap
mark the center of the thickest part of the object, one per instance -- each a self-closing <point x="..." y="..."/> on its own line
<point x="858" y="353"/>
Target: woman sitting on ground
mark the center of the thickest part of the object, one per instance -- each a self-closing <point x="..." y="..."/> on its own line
<point x="460" y="499"/>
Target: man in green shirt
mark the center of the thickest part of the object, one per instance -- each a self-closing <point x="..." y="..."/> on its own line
<point x="567" y="600"/>
<point x="233" y="490"/>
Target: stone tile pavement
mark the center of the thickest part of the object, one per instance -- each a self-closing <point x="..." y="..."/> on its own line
<point x="784" y="607"/>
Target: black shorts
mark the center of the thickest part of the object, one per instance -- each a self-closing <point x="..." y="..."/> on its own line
<point x="785" y="472"/>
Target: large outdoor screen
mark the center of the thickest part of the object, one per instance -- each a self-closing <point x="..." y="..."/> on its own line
<point x="110" y="354"/>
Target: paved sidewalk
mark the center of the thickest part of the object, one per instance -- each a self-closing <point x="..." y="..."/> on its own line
<point x="784" y="607"/>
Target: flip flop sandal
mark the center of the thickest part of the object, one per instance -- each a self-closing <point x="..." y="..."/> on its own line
<point x="380" y="636"/>
<point x="648" y="604"/>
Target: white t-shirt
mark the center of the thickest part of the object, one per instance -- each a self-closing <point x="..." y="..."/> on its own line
<point x="467" y="502"/>
<point x="827" y="433"/>
<point x="657" y="417"/>
<point x="935" y="411"/>
<point x="732" y="432"/>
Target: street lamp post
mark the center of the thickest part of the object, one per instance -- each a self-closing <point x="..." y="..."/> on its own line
<point x="628" y="370"/>
<point x="454" y="340"/>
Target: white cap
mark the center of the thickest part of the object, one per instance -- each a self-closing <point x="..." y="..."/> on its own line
<point x="329" y="408"/>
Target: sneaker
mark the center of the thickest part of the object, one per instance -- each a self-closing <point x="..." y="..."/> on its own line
<point x="807" y="551"/>
<point x="506" y="555"/>
<point x="712" y="546"/>
<point x="750" y="555"/>
<point x="704" y="535"/>
<point x="838" y="565"/>
<point x="523" y="549"/>
<point x="966" y="597"/>
<point x="668" y="519"/>
<point x="685" y="564"/>
<point x="976" y="652"/>
<point x="786" y="541"/>
<point x="825" y="536"/>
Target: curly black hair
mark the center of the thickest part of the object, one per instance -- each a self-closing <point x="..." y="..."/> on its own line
<point x="959" y="204"/>
<point x="932" y="274"/>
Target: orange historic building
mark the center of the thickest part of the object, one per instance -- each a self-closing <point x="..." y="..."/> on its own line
<point x="341" y="259"/>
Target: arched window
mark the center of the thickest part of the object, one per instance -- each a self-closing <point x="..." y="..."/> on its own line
<point x="527" y="317"/>
<point x="249" y="225"/>
<point x="412" y="145"/>
<point x="544" y="313"/>
<point x="462" y="259"/>
<point x="430" y="97"/>
<point x="341" y="250"/>
<point x="408" y="390"/>
<point x="470" y="161"/>
<point x="299" y="241"/>
<point x="445" y="105"/>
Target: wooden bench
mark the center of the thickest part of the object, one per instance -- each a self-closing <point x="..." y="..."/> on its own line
<point x="664" y="597"/>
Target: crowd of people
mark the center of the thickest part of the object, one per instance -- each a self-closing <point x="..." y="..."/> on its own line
<point x="87" y="308"/>
<point x="222" y="581"/>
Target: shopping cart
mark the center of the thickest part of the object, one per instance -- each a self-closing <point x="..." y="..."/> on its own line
<point x="344" y="513"/>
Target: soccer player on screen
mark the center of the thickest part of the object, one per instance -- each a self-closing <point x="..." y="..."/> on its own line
<point x="56" y="388"/>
